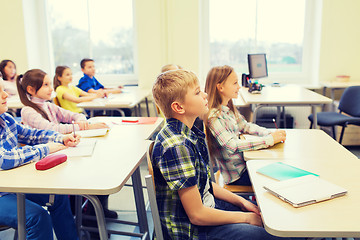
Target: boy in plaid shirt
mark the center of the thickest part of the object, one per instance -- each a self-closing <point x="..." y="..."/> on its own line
<point x="190" y="205"/>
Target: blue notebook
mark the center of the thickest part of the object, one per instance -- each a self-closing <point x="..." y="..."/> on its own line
<point x="282" y="171"/>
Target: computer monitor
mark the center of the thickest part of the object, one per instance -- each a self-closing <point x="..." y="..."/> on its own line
<point x="257" y="65"/>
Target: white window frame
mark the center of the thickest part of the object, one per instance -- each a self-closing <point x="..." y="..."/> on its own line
<point x="40" y="51"/>
<point x="311" y="47"/>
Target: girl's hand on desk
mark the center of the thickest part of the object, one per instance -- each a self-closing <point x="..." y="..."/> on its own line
<point x="98" y="125"/>
<point x="71" y="141"/>
<point x="54" y="147"/>
<point x="279" y="136"/>
<point x="84" y="125"/>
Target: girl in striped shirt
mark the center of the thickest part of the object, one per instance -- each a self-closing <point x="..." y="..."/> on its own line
<point x="35" y="92"/>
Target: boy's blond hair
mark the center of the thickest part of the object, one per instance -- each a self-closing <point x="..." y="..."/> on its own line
<point x="169" y="67"/>
<point x="172" y="86"/>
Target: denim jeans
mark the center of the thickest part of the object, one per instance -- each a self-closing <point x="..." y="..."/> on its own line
<point x="237" y="231"/>
<point x="39" y="224"/>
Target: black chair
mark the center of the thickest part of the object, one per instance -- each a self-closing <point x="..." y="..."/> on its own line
<point x="350" y="105"/>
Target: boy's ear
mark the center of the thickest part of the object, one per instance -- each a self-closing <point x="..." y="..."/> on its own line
<point x="82" y="70"/>
<point x="219" y="87"/>
<point x="31" y="90"/>
<point x="177" y="108"/>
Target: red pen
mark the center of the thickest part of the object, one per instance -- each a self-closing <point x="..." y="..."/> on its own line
<point x="275" y="123"/>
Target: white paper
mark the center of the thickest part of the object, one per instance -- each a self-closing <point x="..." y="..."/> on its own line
<point x="92" y="132"/>
<point x="84" y="148"/>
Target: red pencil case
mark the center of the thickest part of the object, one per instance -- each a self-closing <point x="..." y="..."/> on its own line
<point x="50" y="161"/>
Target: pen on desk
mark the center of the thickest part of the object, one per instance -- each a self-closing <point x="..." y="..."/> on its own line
<point x="275" y="123"/>
<point x="73" y="127"/>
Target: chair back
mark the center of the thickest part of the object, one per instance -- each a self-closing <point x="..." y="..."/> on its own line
<point x="150" y="185"/>
<point x="56" y="101"/>
<point x="350" y="101"/>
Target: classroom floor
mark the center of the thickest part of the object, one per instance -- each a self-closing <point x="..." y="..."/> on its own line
<point x="123" y="202"/>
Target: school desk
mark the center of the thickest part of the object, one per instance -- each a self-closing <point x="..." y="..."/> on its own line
<point x="302" y="143"/>
<point x="337" y="217"/>
<point x="288" y="95"/>
<point x="131" y="97"/>
<point x="114" y="161"/>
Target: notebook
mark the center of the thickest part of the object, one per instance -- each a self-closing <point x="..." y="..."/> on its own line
<point x="305" y="190"/>
<point x="282" y="171"/>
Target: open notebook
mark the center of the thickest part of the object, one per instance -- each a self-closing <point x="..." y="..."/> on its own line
<point x="305" y="190"/>
<point x="83" y="149"/>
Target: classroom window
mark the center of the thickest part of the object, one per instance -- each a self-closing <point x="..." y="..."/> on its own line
<point x="274" y="27"/>
<point x="102" y="30"/>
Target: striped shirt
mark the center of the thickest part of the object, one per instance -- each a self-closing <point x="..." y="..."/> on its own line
<point x="12" y="133"/>
<point x="225" y="128"/>
<point x="180" y="160"/>
<point x="60" y="119"/>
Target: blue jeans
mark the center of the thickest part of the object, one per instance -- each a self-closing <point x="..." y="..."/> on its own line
<point x="39" y="224"/>
<point x="237" y="231"/>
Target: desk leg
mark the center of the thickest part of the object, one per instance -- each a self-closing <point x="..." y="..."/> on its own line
<point x="147" y="106"/>
<point x="139" y="201"/>
<point x="333" y="100"/>
<point x="278" y="115"/>
<point x="78" y="212"/>
<point x="313" y="111"/>
<point x="99" y="216"/>
<point x="21" y="216"/>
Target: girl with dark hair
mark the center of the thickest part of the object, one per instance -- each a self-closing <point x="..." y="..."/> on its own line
<point x="35" y="92"/>
<point x="67" y="95"/>
<point x="8" y="71"/>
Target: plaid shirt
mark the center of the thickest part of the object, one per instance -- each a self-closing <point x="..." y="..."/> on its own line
<point x="180" y="160"/>
<point x="12" y="133"/>
<point x="225" y="128"/>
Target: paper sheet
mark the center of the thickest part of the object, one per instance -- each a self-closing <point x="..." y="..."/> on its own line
<point x="92" y="132"/>
<point x="84" y="148"/>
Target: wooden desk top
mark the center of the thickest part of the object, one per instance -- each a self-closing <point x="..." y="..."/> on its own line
<point x="128" y="99"/>
<point x="302" y="143"/>
<point x="285" y="95"/>
<point x="116" y="156"/>
<point x="334" y="218"/>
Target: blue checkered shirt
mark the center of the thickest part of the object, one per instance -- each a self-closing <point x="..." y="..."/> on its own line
<point x="180" y="160"/>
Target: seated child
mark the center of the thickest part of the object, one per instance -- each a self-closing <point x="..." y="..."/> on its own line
<point x="224" y="124"/>
<point x="39" y="143"/>
<point x="8" y="71"/>
<point x="35" y="91"/>
<point x="90" y="84"/>
<point x="68" y="96"/>
<point x="190" y="205"/>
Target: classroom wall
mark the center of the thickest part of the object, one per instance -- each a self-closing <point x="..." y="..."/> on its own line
<point x="340" y="40"/>
<point x="12" y="40"/>
<point x="168" y="31"/>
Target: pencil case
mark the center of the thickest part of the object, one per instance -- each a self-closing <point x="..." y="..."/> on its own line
<point x="50" y="161"/>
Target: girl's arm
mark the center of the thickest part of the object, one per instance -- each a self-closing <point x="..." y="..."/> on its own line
<point x="251" y="128"/>
<point x="85" y="98"/>
<point x="66" y="116"/>
<point x="231" y="142"/>
<point x="34" y="119"/>
<point x="206" y="216"/>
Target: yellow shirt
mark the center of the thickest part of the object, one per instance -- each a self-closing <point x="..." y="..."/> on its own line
<point x="69" y="105"/>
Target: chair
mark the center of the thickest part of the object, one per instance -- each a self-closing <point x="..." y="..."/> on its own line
<point x="150" y="185"/>
<point x="56" y="101"/>
<point x="238" y="189"/>
<point x="349" y="105"/>
<point x="4" y="228"/>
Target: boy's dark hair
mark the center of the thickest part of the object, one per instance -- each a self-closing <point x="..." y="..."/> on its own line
<point x="84" y="61"/>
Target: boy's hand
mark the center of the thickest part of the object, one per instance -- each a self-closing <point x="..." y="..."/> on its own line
<point x="83" y="125"/>
<point x="98" y="125"/>
<point x="54" y="147"/>
<point x="249" y="207"/>
<point x="253" y="219"/>
<point x="279" y="136"/>
<point x="71" y="141"/>
<point x="100" y="94"/>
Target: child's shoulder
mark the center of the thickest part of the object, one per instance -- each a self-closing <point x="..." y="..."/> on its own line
<point x="214" y="113"/>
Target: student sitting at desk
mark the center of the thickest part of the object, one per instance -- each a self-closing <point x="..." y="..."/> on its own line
<point x="39" y="224"/>
<point x="35" y="91"/>
<point x="8" y="71"/>
<point x="90" y="84"/>
<point x="190" y="205"/>
<point x="68" y="96"/>
<point x="224" y="124"/>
